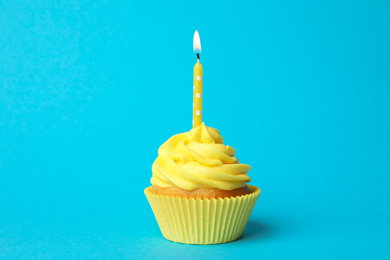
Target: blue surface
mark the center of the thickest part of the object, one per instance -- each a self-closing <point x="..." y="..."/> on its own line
<point x="89" y="91"/>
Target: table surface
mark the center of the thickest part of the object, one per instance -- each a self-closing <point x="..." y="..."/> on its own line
<point x="89" y="91"/>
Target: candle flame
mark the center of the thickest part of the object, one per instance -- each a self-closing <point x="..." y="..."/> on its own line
<point x="197" y="47"/>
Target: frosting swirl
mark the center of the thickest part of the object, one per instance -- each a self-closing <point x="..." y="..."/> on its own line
<point x="198" y="159"/>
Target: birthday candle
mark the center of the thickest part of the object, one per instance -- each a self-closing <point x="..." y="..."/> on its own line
<point x="198" y="85"/>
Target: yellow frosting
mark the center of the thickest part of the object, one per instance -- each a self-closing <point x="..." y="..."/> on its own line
<point x="198" y="159"/>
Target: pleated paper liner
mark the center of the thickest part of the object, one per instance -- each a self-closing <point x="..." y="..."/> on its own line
<point x="202" y="221"/>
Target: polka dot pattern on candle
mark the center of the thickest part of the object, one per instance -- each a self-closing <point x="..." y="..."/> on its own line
<point x="197" y="95"/>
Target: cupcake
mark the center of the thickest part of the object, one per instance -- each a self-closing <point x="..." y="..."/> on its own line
<point x="199" y="192"/>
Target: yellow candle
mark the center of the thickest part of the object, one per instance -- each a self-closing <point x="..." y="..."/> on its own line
<point x="198" y="84"/>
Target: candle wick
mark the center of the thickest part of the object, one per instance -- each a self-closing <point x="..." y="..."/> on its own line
<point x="197" y="55"/>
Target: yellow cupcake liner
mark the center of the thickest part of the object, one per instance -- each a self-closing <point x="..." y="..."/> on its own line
<point x="202" y="221"/>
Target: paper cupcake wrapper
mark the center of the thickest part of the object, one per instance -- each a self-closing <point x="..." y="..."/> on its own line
<point x="202" y="221"/>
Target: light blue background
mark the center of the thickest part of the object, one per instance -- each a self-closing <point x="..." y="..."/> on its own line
<point x="89" y="91"/>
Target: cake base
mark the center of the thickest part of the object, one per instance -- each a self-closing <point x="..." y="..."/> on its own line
<point x="201" y="193"/>
<point x="202" y="221"/>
